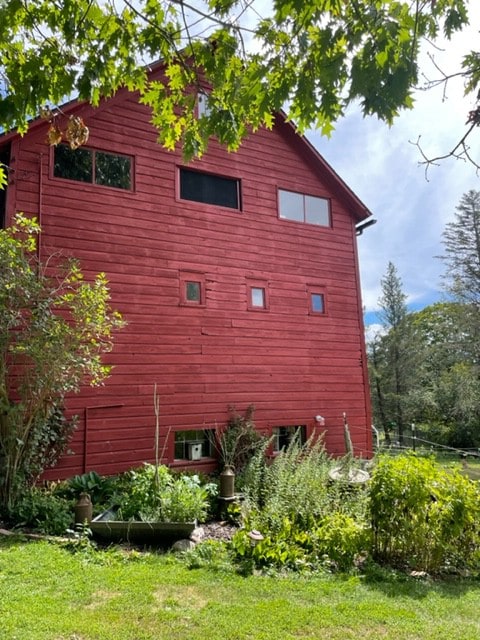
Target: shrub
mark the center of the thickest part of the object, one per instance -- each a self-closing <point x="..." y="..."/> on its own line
<point x="42" y="511"/>
<point x="423" y="516"/>
<point x="296" y="485"/>
<point x="307" y="521"/>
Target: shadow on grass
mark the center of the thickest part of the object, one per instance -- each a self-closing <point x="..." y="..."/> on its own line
<point x="396" y="583"/>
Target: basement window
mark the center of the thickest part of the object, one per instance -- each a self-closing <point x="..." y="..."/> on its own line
<point x="301" y="207"/>
<point x="93" y="167"/>
<point x="193" y="445"/>
<point x="209" y="189"/>
<point x="283" y="436"/>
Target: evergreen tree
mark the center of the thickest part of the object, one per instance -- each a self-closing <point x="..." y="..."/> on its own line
<point x="392" y="358"/>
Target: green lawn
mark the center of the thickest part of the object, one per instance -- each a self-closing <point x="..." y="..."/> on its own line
<point x="48" y="593"/>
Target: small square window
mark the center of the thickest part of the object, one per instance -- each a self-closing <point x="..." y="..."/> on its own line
<point x="257" y="292"/>
<point x="258" y="297"/>
<point x="192" y="289"/>
<point x="318" y="302"/>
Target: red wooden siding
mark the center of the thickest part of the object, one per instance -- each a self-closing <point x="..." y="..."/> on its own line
<point x="291" y="364"/>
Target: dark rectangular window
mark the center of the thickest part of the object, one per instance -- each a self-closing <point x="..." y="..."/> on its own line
<point x="209" y="188"/>
<point x="94" y="167"/>
<point x="283" y="436"/>
<point x="193" y="291"/>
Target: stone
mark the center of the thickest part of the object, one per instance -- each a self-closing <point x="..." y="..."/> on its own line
<point x="180" y="546"/>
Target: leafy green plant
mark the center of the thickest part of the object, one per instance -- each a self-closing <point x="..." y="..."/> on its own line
<point x="153" y="493"/>
<point x="295" y="485"/>
<point x="42" y="511"/>
<point x="423" y="516"/>
<point x="211" y="554"/>
<point x="341" y="539"/>
<point x="99" y="488"/>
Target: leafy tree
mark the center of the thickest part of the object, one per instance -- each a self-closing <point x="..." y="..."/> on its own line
<point x="54" y="329"/>
<point x="445" y="396"/>
<point x="318" y="57"/>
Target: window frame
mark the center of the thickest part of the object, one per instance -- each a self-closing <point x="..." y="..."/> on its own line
<point x="276" y="436"/>
<point x="237" y="181"/>
<point x="192" y="276"/>
<point x="313" y="290"/>
<point x="203" y="106"/>
<point x="92" y="182"/>
<point x="258" y="284"/>
<point x="204" y="441"/>
<point x="304" y="196"/>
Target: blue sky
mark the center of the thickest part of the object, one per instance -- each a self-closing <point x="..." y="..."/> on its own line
<point x="382" y="167"/>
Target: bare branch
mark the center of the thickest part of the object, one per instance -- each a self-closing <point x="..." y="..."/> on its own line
<point x="461" y="151"/>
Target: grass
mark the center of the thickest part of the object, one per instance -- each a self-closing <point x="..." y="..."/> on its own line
<point x="49" y="593"/>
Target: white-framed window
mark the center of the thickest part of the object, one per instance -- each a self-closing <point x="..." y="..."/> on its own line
<point x="203" y="107"/>
<point x="257" y="295"/>
<point x="301" y="207"/>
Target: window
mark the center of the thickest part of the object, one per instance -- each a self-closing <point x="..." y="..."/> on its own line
<point x="192" y="288"/>
<point x="257" y="292"/>
<point x="303" y="208"/>
<point x="193" y="445"/>
<point x="317" y="303"/>
<point x="203" y="108"/>
<point x="283" y="436"/>
<point x="209" y="188"/>
<point x="94" y="167"/>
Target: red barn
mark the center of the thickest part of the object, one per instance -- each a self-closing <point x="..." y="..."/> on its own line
<point x="237" y="275"/>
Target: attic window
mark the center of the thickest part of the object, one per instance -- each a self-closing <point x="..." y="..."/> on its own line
<point x="93" y="167"/>
<point x="209" y="189"/>
<point x="203" y="108"/>
<point x="301" y="207"/>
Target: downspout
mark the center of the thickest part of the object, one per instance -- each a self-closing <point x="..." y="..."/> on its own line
<point x="363" y="350"/>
